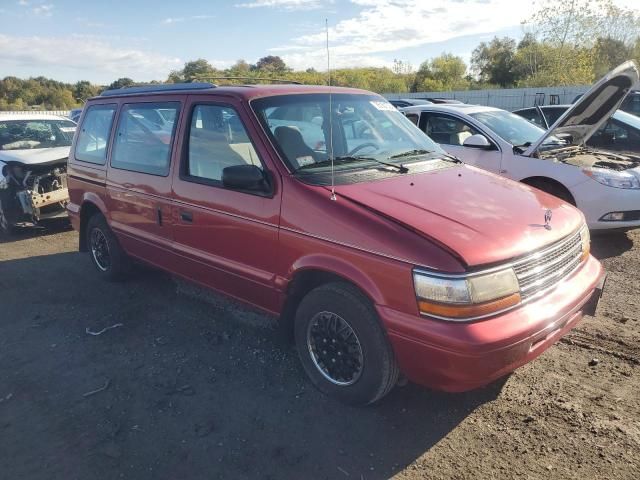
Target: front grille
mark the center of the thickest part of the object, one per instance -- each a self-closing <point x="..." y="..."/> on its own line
<point x="546" y="268"/>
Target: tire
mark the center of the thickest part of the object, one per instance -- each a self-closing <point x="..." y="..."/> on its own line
<point x="6" y="228"/>
<point x="338" y="316"/>
<point x="107" y="256"/>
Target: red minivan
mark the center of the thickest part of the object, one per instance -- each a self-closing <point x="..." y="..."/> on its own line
<point x="327" y="207"/>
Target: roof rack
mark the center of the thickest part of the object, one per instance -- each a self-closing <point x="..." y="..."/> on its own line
<point x="260" y="79"/>
<point x="157" y="88"/>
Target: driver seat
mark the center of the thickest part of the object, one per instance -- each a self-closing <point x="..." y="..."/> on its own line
<point x="293" y="145"/>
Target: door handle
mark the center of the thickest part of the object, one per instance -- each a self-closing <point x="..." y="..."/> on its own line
<point x="186" y="217"/>
<point x="159" y="212"/>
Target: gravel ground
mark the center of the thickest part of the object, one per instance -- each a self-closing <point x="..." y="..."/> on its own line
<point x="188" y="389"/>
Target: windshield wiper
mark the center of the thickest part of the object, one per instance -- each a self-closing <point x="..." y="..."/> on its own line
<point x="453" y="158"/>
<point x="349" y="159"/>
<point x="416" y="152"/>
<point x="523" y="147"/>
<point x="412" y="153"/>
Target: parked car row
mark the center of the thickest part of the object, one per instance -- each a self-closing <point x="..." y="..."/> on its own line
<point x="382" y="254"/>
<point x="620" y="133"/>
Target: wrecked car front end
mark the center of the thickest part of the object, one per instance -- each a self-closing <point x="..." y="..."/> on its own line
<point x="30" y="194"/>
<point x="34" y="149"/>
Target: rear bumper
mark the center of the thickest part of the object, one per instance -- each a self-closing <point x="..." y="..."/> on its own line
<point x="462" y="356"/>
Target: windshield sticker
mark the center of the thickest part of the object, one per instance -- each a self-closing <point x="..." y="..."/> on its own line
<point x="67" y="129"/>
<point x="383" y="106"/>
<point x="302" y="161"/>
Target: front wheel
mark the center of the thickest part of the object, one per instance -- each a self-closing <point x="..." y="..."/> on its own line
<point x="107" y="255"/>
<point x="6" y="227"/>
<point x="342" y="345"/>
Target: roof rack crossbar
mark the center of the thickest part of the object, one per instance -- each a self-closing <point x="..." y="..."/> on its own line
<point x="157" y="88"/>
<point x="260" y="79"/>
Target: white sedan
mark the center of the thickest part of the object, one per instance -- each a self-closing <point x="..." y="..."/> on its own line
<point x="604" y="185"/>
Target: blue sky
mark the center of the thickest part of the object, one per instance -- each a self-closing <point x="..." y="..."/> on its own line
<point x="74" y="40"/>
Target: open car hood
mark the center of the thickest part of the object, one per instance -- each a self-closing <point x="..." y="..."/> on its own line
<point x="594" y="108"/>
<point x="35" y="156"/>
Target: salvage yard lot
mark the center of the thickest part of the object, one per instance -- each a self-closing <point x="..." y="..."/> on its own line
<point x="188" y="389"/>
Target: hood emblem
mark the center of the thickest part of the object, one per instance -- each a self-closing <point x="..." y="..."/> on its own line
<point x="547" y="219"/>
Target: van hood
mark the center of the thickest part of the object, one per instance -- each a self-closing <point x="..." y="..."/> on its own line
<point x="594" y="108"/>
<point x="35" y="156"/>
<point x="479" y="217"/>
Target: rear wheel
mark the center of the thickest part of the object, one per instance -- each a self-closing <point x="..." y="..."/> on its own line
<point x="105" y="251"/>
<point x="342" y="345"/>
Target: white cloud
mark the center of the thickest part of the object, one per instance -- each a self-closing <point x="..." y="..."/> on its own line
<point x="84" y="57"/>
<point x="384" y="26"/>
<point x="45" y="10"/>
<point x="284" y="4"/>
<point x="170" y="20"/>
<point x="173" y="20"/>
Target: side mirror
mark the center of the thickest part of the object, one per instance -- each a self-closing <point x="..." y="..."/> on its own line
<point x="244" y="177"/>
<point x="477" y="141"/>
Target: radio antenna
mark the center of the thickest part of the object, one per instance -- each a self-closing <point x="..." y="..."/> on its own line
<point x="333" y="186"/>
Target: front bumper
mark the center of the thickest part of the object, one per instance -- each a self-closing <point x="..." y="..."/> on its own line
<point x="462" y="356"/>
<point x="596" y="200"/>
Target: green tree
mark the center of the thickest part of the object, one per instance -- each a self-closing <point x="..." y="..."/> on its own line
<point x="609" y="53"/>
<point x="271" y="63"/>
<point x="495" y="62"/>
<point x="121" y="83"/>
<point x="446" y="72"/>
<point x="84" y="89"/>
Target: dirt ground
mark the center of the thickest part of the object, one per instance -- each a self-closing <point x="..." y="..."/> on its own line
<point x="186" y="389"/>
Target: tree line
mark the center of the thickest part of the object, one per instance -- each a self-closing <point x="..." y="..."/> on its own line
<point x="566" y="42"/>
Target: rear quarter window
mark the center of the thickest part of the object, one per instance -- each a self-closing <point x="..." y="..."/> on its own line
<point x="93" y="137"/>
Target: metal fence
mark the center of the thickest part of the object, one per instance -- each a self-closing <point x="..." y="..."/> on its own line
<point x="507" y="98"/>
<point x="62" y="113"/>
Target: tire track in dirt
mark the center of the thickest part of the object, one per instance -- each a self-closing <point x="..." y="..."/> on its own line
<point x="609" y="344"/>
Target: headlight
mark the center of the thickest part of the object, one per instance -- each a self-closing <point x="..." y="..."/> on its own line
<point x="585" y="240"/>
<point x="613" y="178"/>
<point x="466" y="297"/>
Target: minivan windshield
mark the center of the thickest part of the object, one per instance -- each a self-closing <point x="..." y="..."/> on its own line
<point x="31" y="134"/>
<point x="512" y="128"/>
<point x="363" y="130"/>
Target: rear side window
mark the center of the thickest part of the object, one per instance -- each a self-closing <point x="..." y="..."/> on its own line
<point x="533" y="116"/>
<point x="448" y="130"/>
<point x="144" y="137"/>
<point x="414" y="117"/>
<point x="553" y="114"/>
<point x="217" y="139"/>
<point x="93" y="137"/>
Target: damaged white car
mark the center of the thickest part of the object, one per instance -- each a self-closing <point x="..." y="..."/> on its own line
<point x="33" y="168"/>
<point x="604" y="185"/>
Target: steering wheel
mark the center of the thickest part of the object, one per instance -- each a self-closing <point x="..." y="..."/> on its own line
<point x="363" y="145"/>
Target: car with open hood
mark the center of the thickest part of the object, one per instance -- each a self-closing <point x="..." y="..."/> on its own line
<point x="33" y="163"/>
<point x="620" y="133"/>
<point x="382" y="255"/>
<point x="604" y="185"/>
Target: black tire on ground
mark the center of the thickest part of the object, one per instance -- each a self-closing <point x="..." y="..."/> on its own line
<point x="552" y="188"/>
<point x="106" y="254"/>
<point x="6" y="228"/>
<point x="372" y="371"/>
